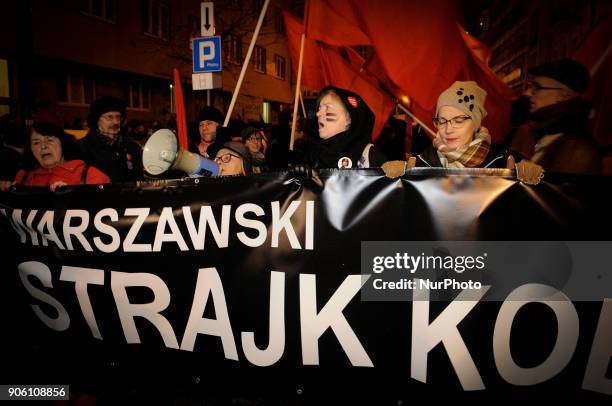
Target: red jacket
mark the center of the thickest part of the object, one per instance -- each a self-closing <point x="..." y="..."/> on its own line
<point x="70" y="172"/>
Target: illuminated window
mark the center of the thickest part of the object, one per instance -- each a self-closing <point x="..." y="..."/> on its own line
<point x="5" y="92"/>
<point x="266" y="112"/>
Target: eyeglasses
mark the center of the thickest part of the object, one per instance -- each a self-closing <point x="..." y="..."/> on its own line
<point x="111" y="116"/>
<point x="225" y="158"/>
<point x="536" y="87"/>
<point x="455" y="122"/>
<point x="255" y="138"/>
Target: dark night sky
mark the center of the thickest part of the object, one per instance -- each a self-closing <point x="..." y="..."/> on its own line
<point x="471" y="9"/>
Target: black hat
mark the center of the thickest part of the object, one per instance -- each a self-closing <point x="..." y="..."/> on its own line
<point x="362" y="117"/>
<point x="211" y="114"/>
<point x="567" y="71"/>
<point x="240" y="149"/>
<point x="104" y="105"/>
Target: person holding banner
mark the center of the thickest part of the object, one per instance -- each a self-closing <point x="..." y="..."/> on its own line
<point x="49" y="161"/>
<point x="345" y="124"/>
<point x="461" y="141"/>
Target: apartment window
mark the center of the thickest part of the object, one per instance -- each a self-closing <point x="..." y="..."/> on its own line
<point x="155" y="18"/>
<point x="102" y="9"/>
<point x="139" y="95"/>
<point x="76" y="88"/>
<point x="260" y="59"/>
<point x="266" y="112"/>
<point x="5" y="91"/>
<point x="257" y="6"/>
<point x="298" y="8"/>
<point x="279" y="66"/>
<point x="279" y="24"/>
<point x="194" y="25"/>
<point x="233" y="49"/>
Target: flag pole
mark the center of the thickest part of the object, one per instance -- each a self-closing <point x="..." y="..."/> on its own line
<point x="600" y="61"/>
<point x="412" y="116"/>
<point x="181" y="118"/>
<point x="302" y="103"/>
<point x="297" y="92"/>
<point x="246" y="62"/>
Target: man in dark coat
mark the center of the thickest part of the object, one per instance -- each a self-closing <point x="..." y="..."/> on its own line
<point x="556" y="135"/>
<point x="106" y="147"/>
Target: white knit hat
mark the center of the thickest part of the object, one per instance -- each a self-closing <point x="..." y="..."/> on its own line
<point x="467" y="97"/>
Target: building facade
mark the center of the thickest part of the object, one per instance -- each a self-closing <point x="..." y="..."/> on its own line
<point x="68" y="53"/>
<point x="522" y="34"/>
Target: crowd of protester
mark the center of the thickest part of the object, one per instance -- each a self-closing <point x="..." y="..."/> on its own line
<point x="549" y="133"/>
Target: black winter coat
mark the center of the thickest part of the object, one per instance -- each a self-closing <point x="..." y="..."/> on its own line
<point x="121" y="161"/>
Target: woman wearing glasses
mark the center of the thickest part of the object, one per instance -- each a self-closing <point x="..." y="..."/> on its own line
<point x="234" y="159"/>
<point x="461" y="141"/>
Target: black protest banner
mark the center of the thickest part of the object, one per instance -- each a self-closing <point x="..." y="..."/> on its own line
<point x="254" y="283"/>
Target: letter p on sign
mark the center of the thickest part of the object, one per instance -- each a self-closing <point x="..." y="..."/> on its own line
<point x="207" y="54"/>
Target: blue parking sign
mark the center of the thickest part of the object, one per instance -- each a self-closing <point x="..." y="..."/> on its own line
<point x="207" y="54"/>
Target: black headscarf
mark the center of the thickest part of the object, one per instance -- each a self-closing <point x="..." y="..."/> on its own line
<point x="350" y="143"/>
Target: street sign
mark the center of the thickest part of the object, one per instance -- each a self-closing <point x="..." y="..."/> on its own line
<point x="207" y="18"/>
<point x="207" y="54"/>
<point x="205" y="81"/>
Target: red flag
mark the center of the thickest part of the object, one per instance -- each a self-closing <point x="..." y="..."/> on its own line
<point x="312" y="77"/>
<point x="499" y="96"/>
<point x="341" y="67"/>
<point x="420" y="49"/>
<point x="181" y="119"/>
<point x="334" y="22"/>
<point x="596" y="54"/>
<point x="324" y="64"/>
<point x="479" y="50"/>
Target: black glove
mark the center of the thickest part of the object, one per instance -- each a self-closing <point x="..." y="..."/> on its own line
<point x="303" y="171"/>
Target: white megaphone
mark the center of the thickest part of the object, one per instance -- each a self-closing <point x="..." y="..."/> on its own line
<point x="162" y="153"/>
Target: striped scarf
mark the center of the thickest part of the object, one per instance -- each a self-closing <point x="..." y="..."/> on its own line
<point x="470" y="155"/>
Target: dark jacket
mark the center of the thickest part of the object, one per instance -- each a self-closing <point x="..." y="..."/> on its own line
<point x="571" y="154"/>
<point x="574" y="151"/>
<point x="496" y="158"/>
<point x="120" y="160"/>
